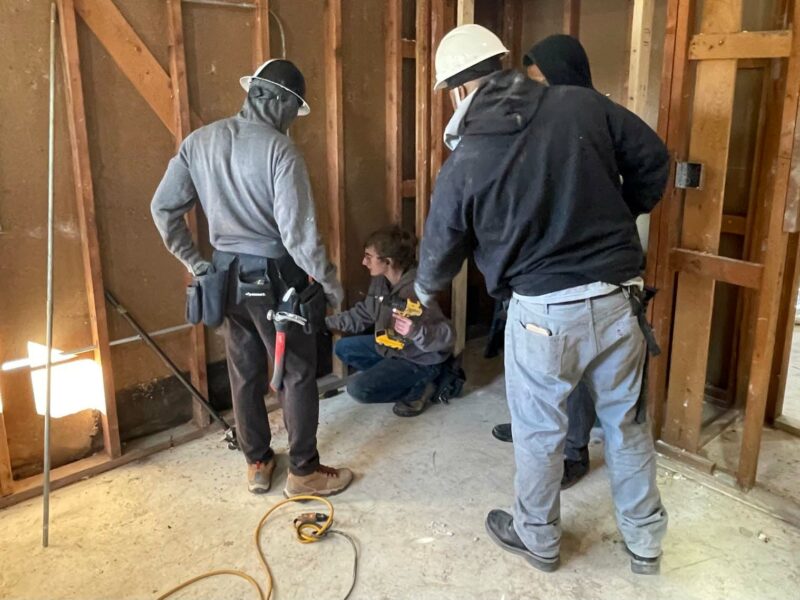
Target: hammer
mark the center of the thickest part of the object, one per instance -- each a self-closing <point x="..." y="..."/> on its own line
<point x="282" y="319"/>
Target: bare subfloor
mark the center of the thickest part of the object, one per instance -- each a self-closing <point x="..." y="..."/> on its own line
<point x="417" y="510"/>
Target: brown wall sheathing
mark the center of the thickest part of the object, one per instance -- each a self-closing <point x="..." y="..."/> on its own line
<point x="305" y="46"/>
<point x="218" y="52"/>
<point x="24" y="48"/>
<point x="604" y="33"/>
<point x="364" y="72"/>
<point x="129" y="151"/>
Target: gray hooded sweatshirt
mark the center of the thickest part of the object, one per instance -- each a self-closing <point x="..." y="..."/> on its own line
<point x="432" y="338"/>
<point x="253" y="185"/>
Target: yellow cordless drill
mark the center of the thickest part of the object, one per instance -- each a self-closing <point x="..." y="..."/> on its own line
<point x="403" y="307"/>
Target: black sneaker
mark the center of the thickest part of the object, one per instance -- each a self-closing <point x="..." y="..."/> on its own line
<point x="500" y="527"/>
<point x="502" y="432"/>
<point x="574" y="471"/>
<point x="415" y="407"/>
<point x="644" y="566"/>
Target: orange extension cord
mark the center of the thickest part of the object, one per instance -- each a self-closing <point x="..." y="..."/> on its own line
<point x="310" y="528"/>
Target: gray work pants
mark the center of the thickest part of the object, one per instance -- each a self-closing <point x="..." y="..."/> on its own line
<point x="597" y="341"/>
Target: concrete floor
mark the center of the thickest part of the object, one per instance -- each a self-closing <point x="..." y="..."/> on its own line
<point x="778" y="460"/>
<point x="417" y="510"/>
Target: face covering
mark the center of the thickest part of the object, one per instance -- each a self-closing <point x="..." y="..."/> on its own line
<point x="269" y="103"/>
<point x="452" y="133"/>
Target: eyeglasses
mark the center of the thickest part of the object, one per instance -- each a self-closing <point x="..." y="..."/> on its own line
<point x="369" y="256"/>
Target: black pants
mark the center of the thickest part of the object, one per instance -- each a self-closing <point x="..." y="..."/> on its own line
<point x="250" y="347"/>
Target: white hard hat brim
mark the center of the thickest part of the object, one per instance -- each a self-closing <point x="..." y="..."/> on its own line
<point x="441" y="83"/>
<point x="247" y="80"/>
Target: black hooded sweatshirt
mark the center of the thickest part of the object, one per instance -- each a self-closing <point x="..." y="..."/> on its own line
<point x="562" y="60"/>
<point x="535" y="190"/>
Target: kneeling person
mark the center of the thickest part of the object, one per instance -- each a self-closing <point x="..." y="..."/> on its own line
<point x="403" y="360"/>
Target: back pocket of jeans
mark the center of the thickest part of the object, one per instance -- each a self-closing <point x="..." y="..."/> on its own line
<point x="543" y="353"/>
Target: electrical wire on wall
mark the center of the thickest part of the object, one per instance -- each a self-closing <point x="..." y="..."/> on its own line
<point x="283" y="33"/>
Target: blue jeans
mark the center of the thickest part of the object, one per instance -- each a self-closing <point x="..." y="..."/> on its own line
<point x="382" y="379"/>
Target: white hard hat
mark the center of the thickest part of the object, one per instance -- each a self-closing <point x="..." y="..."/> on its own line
<point x="284" y="74"/>
<point x="462" y="48"/>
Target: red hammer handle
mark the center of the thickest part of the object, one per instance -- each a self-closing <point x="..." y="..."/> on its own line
<point x="280" y="354"/>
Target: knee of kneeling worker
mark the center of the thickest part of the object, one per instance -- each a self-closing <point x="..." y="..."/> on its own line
<point x="340" y="349"/>
<point x="360" y="390"/>
<point x="345" y="350"/>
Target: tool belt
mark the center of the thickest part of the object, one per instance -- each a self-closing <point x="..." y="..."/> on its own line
<point x="208" y="295"/>
<point x="312" y="305"/>
<point x="205" y="296"/>
<point x="265" y="290"/>
<point x="639" y="300"/>
<point x="256" y="290"/>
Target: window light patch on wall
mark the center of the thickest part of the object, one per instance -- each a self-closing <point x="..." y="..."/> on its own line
<point x="76" y="385"/>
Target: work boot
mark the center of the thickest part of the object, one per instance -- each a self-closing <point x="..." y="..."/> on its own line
<point x="325" y="481"/>
<point x="500" y="527"/>
<point x="644" y="566"/>
<point x="502" y="432"/>
<point x="416" y="407"/>
<point x="259" y="476"/>
<point x="574" y="471"/>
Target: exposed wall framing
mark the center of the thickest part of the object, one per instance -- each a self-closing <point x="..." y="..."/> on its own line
<point x="686" y="228"/>
<point x="423" y="98"/>
<point x="572" y="17"/>
<point x="334" y="126"/>
<point x="180" y="98"/>
<point x="465" y="13"/>
<point x="641" y="45"/>
<point x="84" y="195"/>
<point x="773" y="258"/>
<point x="394" y="108"/>
<point x="166" y="93"/>
<point x="6" y="479"/>
<point x="664" y="225"/>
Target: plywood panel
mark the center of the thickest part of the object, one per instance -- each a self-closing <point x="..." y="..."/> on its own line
<point x="608" y="54"/>
<point x="305" y="46"/>
<point x="365" y="115"/>
<point x="131" y="54"/>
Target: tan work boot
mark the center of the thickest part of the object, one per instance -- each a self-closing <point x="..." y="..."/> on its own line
<point x="325" y="481"/>
<point x="259" y="476"/>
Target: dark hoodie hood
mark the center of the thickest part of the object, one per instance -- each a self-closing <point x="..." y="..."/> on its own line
<point x="271" y="105"/>
<point x="562" y="60"/>
<point x="504" y="104"/>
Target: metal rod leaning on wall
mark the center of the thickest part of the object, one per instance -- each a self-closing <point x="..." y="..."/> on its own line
<point x="230" y="435"/>
<point x="49" y="318"/>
